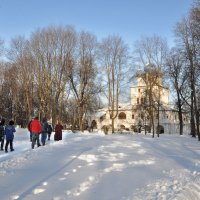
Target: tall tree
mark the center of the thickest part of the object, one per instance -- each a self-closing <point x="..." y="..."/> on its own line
<point x="188" y="42"/>
<point x="52" y="49"/>
<point x="19" y="56"/>
<point x="150" y="54"/>
<point x="178" y="76"/>
<point x="151" y="78"/>
<point x="10" y="93"/>
<point x="113" y="58"/>
<point x="82" y="74"/>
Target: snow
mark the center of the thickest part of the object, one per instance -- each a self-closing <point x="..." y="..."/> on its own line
<point x="93" y="166"/>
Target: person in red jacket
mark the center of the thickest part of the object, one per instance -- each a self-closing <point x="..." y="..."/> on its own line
<point x="36" y="129"/>
<point x="58" y="132"/>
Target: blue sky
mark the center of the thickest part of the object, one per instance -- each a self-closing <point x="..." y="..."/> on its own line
<point x="129" y="19"/>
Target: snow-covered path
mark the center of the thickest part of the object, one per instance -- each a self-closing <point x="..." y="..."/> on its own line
<point x="97" y="167"/>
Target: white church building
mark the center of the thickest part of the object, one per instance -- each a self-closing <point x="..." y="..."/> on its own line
<point x="133" y="117"/>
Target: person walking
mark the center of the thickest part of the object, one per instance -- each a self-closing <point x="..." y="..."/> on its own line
<point x="9" y="133"/>
<point x="29" y="129"/>
<point x="36" y="129"/>
<point x="50" y="129"/>
<point x="2" y="133"/>
<point x="45" y="126"/>
<point x="58" y="132"/>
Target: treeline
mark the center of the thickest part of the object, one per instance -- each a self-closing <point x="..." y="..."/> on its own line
<point x="183" y="64"/>
<point x="52" y="74"/>
<point x="180" y="66"/>
<point x="60" y="73"/>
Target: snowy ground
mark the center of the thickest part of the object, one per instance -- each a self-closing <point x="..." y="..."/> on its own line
<point x="98" y="167"/>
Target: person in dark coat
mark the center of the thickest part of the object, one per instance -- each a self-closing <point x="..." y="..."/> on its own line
<point x="9" y="133"/>
<point x="2" y="133"/>
<point x="29" y="129"/>
<point x="50" y="129"/>
<point x="36" y="129"/>
<point x="58" y="132"/>
<point x="45" y="126"/>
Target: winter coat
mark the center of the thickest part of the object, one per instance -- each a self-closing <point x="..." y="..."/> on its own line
<point x="58" y="128"/>
<point x="35" y="126"/>
<point x="45" y="126"/>
<point x="29" y="126"/>
<point x="2" y="131"/>
<point x="50" y="129"/>
<point x="58" y="132"/>
<point x="9" y="132"/>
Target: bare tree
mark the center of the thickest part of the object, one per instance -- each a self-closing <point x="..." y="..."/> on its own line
<point x="188" y="42"/>
<point x="151" y="78"/>
<point x="113" y="57"/>
<point x="83" y="74"/>
<point x="10" y="93"/>
<point x="178" y="76"/>
<point x="150" y="53"/>
<point x="52" y="51"/>
<point x="19" y="56"/>
<point x="150" y="50"/>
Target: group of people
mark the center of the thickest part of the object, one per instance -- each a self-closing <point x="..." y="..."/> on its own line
<point x="35" y="127"/>
<point x="45" y="129"/>
<point x="7" y="133"/>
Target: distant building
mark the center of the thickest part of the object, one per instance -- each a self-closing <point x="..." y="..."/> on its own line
<point x="134" y="116"/>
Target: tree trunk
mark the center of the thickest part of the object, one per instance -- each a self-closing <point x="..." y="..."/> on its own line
<point x="81" y="113"/>
<point x="192" y="128"/>
<point x="158" y="128"/>
<point x="180" y="116"/>
<point x="113" y="125"/>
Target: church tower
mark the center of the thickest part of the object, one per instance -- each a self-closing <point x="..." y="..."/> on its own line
<point x="149" y="81"/>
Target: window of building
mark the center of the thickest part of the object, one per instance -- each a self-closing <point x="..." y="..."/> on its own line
<point x="138" y="101"/>
<point x="122" y="115"/>
<point x="102" y="118"/>
<point x="133" y="116"/>
<point x="122" y="127"/>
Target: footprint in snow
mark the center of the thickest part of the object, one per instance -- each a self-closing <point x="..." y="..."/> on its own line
<point x="74" y="170"/>
<point x="44" y="183"/>
<point x="62" y="179"/>
<point x="15" y="197"/>
<point x="38" y="190"/>
<point x="66" y="173"/>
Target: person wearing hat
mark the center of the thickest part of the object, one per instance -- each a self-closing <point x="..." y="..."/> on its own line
<point x="36" y="129"/>
<point x="9" y="133"/>
<point x="2" y="133"/>
<point x="29" y="129"/>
